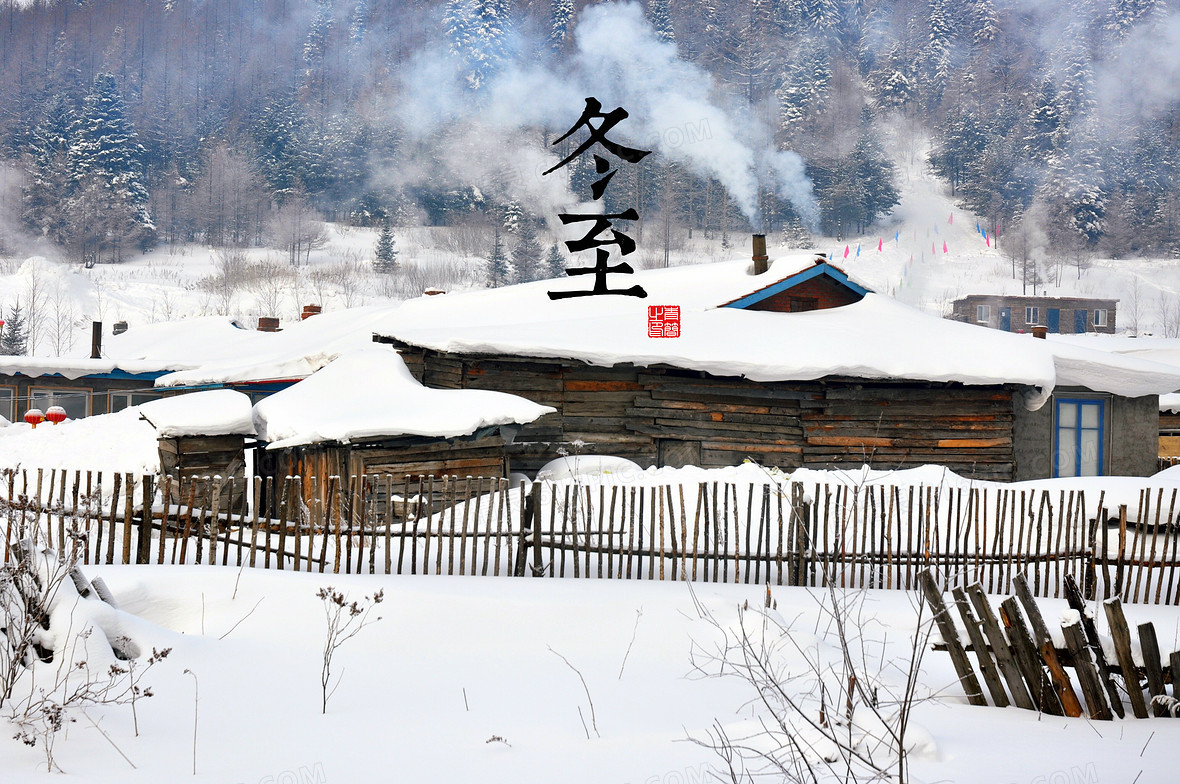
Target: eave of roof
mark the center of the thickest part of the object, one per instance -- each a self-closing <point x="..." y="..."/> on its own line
<point x="819" y="268"/>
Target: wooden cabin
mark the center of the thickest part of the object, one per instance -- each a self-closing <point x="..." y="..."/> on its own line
<point x="834" y="376"/>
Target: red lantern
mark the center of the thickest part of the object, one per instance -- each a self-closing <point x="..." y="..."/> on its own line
<point x="56" y="414"/>
<point x="34" y="417"/>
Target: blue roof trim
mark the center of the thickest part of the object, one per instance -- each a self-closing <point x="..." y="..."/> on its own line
<point x="794" y="280"/>
<point x="116" y="375"/>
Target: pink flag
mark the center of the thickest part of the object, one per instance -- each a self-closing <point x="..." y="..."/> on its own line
<point x="932" y="249"/>
<point x="846" y="251"/>
<point x="988" y="241"/>
<point x="951" y="219"/>
<point x="879" y="244"/>
<point x="944" y="246"/>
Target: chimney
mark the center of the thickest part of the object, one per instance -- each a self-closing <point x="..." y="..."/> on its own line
<point x="119" y="328"/>
<point x="309" y="311"/>
<point x="268" y="324"/>
<point x="96" y="340"/>
<point x="761" y="261"/>
<point x="1039" y="331"/>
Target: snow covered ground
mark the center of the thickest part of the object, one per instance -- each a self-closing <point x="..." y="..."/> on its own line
<point x="464" y="681"/>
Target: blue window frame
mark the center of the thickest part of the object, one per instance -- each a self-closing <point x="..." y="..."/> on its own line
<point x="1079" y="437"/>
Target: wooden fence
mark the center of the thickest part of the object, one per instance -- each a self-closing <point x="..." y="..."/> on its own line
<point x="872" y="536"/>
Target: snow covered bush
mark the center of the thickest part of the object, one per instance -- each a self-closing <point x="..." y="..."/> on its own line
<point x="62" y="649"/>
<point x="829" y="707"/>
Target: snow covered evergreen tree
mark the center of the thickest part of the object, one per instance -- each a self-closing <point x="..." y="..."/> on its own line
<point x="385" y="253"/>
<point x="13" y="340"/>
<point x="478" y="32"/>
<point x="50" y="183"/>
<point x="499" y="271"/>
<point x="555" y="262"/>
<point x="659" y="13"/>
<point x="560" y="16"/>
<point x="527" y="254"/>
<point x="109" y="206"/>
<point x="280" y="142"/>
<point x="358" y="23"/>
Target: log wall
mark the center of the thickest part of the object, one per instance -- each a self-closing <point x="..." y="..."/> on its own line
<point x="642" y="413"/>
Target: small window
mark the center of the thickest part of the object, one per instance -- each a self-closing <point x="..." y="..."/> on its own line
<point x="1032" y="315"/>
<point x="1100" y="318"/>
<point x="983" y="313"/>
<point x="122" y="400"/>
<point x="76" y="402"/>
<point x="8" y="403"/>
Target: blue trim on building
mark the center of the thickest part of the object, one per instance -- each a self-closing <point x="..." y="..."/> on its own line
<point x="794" y="280"/>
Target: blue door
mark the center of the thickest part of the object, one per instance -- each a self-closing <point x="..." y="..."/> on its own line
<point x="1054" y="319"/>
<point x="1079" y="321"/>
<point x="1006" y="319"/>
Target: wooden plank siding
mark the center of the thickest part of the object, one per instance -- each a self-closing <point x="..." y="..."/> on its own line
<point x="202" y="456"/>
<point x="629" y="411"/>
<point x="463" y="457"/>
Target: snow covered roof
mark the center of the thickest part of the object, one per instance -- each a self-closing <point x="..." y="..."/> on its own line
<point x="1164" y="351"/>
<point x="369" y="393"/>
<point x="296" y="352"/>
<point x="875" y="338"/>
<point x="126" y="441"/>
<point x="150" y="349"/>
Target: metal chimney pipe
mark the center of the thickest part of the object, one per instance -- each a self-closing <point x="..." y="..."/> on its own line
<point x="96" y="340"/>
<point x="761" y="261"/>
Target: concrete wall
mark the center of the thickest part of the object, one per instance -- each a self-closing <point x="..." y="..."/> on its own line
<point x="1132" y="436"/>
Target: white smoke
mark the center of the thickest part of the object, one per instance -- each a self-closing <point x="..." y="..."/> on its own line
<point x="673" y="105"/>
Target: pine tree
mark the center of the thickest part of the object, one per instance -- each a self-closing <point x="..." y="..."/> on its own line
<point x="385" y="254"/>
<point x="477" y="32"/>
<point x="555" y="262"/>
<point x="358" y="24"/>
<point x="281" y="146"/>
<point x="513" y="217"/>
<point x="499" y="272"/>
<point x="50" y="183"/>
<point x="527" y="254"/>
<point x="660" y="15"/>
<point x="561" y="14"/>
<point x="110" y="202"/>
<point x="13" y="340"/>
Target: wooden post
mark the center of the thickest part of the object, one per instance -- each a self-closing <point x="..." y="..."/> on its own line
<point x="1036" y="622"/>
<point x="1061" y="684"/>
<point x="1150" y="647"/>
<point x="534" y="513"/>
<point x="215" y="523"/>
<point x="128" y="513"/>
<point x="991" y="676"/>
<point x="1028" y="659"/>
<point x="1000" y="648"/>
<point x="1121" y="563"/>
<point x="1074" y="597"/>
<point x="1122" y="646"/>
<point x="946" y="627"/>
<point x="1092" y="689"/>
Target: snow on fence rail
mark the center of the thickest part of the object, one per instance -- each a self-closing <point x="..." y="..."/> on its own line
<point x="786" y="533"/>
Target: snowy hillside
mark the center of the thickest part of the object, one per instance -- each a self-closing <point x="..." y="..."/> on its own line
<point x="911" y="265"/>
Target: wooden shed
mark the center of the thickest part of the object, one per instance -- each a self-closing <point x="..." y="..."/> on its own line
<point x="398" y="428"/>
